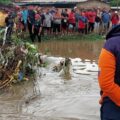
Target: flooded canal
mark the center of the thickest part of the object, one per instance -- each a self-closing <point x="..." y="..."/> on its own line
<point x="55" y="95"/>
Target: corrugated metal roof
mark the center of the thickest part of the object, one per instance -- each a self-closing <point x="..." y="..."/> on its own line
<point x="51" y="0"/>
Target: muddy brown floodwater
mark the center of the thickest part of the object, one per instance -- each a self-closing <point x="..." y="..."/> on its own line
<point x="81" y="49"/>
<point x="52" y="96"/>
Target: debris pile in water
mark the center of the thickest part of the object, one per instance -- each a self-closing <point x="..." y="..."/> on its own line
<point x="17" y="62"/>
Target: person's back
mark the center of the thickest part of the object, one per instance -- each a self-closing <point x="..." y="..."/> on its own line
<point x="109" y="76"/>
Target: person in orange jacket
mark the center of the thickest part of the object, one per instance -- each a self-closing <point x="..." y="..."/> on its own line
<point x="109" y="76"/>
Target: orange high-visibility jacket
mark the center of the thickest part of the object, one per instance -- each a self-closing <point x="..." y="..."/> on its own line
<point x="109" y="70"/>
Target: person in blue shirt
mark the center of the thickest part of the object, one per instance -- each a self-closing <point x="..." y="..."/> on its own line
<point x="105" y="17"/>
<point x="24" y="14"/>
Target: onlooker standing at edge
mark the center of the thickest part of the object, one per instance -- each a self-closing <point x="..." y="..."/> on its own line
<point x="47" y="22"/>
<point x="82" y="23"/>
<point x="97" y="23"/>
<point x="86" y="25"/>
<point x="105" y="17"/>
<point x="77" y="15"/>
<point x="52" y="12"/>
<point x="115" y="19"/>
<point x="91" y="20"/>
<point x="42" y="15"/>
<point x="18" y="25"/>
<point x="36" y="28"/>
<point x="24" y="13"/>
<point x="31" y="19"/>
<point x="64" y="21"/>
<point x="57" y="22"/>
<point x="71" y="21"/>
<point x="109" y="76"/>
<point x="9" y="20"/>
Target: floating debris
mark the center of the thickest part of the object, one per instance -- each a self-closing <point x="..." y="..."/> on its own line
<point x="17" y="63"/>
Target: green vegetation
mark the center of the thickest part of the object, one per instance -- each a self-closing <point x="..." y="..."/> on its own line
<point x="115" y="2"/>
<point x="72" y="37"/>
<point x="18" y="61"/>
<point x="5" y="1"/>
<point x="89" y="37"/>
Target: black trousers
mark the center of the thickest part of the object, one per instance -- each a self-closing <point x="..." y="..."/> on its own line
<point x="24" y="25"/>
<point x="91" y="27"/>
<point x="36" y="33"/>
<point x="30" y="29"/>
<point x="81" y="31"/>
<point x="56" y="28"/>
<point x="86" y="29"/>
<point x="9" y="33"/>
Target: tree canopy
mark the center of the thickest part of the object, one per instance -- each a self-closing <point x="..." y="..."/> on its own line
<point x="114" y="2"/>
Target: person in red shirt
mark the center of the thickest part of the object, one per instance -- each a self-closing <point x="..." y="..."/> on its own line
<point x="82" y="23"/>
<point x="115" y="19"/>
<point x="91" y="19"/>
<point x="86" y="26"/>
<point x="71" y="20"/>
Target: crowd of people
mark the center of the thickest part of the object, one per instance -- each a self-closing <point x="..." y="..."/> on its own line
<point x="53" y="21"/>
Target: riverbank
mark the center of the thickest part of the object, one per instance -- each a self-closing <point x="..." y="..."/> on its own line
<point x="74" y="37"/>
